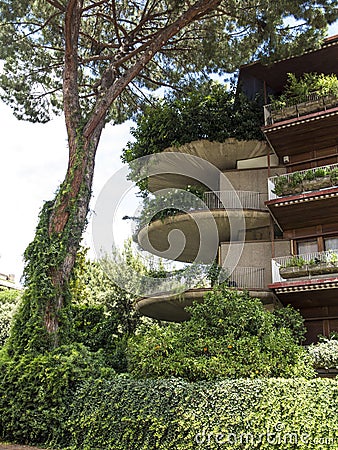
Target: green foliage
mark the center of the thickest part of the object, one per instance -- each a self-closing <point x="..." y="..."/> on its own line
<point x="229" y="335"/>
<point x="297" y="90"/>
<point x="210" y="111"/>
<point x="161" y="205"/>
<point x="325" y="353"/>
<point x="42" y="258"/>
<point x="33" y="39"/>
<point x="9" y="299"/>
<point x="172" y="414"/>
<point x="295" y="261"/>
<point x="35" y="392"/>
<point x="290" y="318"/>
<point x="293" y="183"/>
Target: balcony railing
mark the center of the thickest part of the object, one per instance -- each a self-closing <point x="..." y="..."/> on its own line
<point x="235" y="200"/>
<point x="303" y="181"/>
<point x="197" y="277"/>
<point x="307" y="265"/>
<point x="247" y="278"/>
<point x="311" y="103"/>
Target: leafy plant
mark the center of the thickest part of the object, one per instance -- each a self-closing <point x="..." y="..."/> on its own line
<point x="229" y="335"/>
<point x="297" y="90"/>
<point x="9" y="300"/>
<point x="325" y="353"/>
<point x="207" y="111"/>
<point x="295" y="261"/>
<point x="168" y="204"/>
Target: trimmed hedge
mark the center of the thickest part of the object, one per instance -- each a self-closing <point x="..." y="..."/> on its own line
<point x="122" y="414"/>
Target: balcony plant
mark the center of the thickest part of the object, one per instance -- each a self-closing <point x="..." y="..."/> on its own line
<point x="310" y="93"/>
<point x="295" y="267"/>
<point x="311" y="180"/>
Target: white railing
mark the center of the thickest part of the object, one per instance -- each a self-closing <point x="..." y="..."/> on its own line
<point x="295" y="108"/>
<point x="288" y="177"/>
<point x="235" y="200"/>
<point x="304" y="260"/>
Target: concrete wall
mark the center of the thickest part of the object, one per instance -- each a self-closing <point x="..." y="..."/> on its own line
<point x="255" y="254"/>
<point x="255" y="180"/>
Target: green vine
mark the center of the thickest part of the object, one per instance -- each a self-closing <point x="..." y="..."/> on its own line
<point x="43" y="257"/>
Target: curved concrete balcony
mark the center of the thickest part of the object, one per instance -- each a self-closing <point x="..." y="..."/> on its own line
<point x="171" y="306"/>
<point x="194" y="236"/>
<point x="220" y="155"/>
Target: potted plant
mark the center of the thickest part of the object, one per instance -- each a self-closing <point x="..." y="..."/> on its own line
<point x="325" y="265"/>
<point x="316" y="179"/>
<point x="310" y="93"/>
<point x="294" y="268"/>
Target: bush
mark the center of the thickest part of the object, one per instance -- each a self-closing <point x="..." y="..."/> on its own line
<point x="229" y="335"/>
<point x="325" y="354"/>
<point x="9" y="300"/>
<point x="36" y="391"/>
<point x="210" y="111"/>
<point x="172" y="414"/>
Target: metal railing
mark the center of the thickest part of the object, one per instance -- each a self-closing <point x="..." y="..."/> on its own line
<point x="296" y="108"/>
<point x="305" y="260"/>
<point x="247" y="278"/>
<point x="235" y="200"/>
<point x="289" y="176"/>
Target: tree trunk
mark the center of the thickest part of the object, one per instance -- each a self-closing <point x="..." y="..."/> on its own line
<point x="68" y="221"/>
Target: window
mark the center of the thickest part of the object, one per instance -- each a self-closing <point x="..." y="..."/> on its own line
<point x="307" y="246"/>
<point x="331" y="243"/>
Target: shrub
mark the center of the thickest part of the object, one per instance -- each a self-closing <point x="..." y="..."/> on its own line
<point x="9" y="300"/>
<point x="209" y="111"/>
<point x="35" y="391"/>
<point x="172" y="414"/>
<point x="229" y="335"/>
<point x="325" y="354"/>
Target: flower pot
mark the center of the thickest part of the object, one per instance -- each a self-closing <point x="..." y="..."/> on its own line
<point x="293" y="272"/>
<point x="317" y="183"/>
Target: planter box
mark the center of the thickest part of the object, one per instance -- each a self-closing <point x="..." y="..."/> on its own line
<point x="288" y="112"/>
<point x="323" y="268"/>
<point x="292" y="190"/>
<point x="327" y="373"/>
<point x="293" y="272"/>
<point x="330" y="101"/>
<point x="309" y="107"/>
<point x="317" y="183"/>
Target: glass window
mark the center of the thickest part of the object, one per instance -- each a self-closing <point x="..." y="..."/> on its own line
<point x="309" y="246"/>
<point x="331" y="243"/>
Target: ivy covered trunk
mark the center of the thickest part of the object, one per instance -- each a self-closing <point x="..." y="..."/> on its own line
<point x="44" y="320"/>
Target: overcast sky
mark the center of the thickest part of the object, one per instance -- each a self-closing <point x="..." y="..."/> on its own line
<point x="33" y="164"/>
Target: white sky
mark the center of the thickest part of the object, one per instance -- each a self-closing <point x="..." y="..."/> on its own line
<point x="33" y="164"/>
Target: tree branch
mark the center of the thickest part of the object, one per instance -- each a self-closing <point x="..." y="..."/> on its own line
<point x="198" y="10"/>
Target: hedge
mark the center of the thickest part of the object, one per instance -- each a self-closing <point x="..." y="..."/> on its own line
<point x="122" y="414"/>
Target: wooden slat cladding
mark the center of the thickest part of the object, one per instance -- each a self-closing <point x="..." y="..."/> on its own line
<point x="313" y="158"/>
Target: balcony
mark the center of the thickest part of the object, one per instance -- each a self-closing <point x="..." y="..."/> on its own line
<point x="171" y="306"/>
<point x="306" y="280"/>
<point x="313" y="103"/>
<point x="223" y="216"/>
<point x="296" y="127"/>
<point x="316" y="179"/>
<point x="304" y="198"/>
